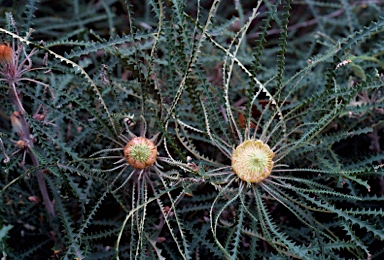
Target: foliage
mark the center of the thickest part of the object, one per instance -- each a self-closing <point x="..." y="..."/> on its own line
<point x="198" y="78"/>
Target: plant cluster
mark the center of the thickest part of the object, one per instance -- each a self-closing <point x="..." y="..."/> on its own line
<point x="191" y="129"/>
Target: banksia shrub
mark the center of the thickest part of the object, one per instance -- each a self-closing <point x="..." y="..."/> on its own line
<point x="191" y="129"/>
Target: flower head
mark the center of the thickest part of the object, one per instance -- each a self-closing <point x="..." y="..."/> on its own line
<point x="140" y="175"/>
<point x="140" y="152"/>
<point x="6" y="54"/>
<point x="252" y="161"/>
<point x="15" y="63"/>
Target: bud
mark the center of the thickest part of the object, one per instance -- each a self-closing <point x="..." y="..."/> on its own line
<point x="21" y="144"/>
<point x="252" y="161"/>
<point x="6" y="53"/>
<point x="16" y="123"/>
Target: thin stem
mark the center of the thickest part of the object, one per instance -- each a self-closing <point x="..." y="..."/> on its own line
<point x="27" y="58"/>
<point x="35" y="81"/>
<point x="28" y="139"/>
<point x="6" y="160"/>
<point x="17" y="101"/>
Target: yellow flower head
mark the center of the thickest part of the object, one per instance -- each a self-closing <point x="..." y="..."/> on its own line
<point x="252" y="161"/>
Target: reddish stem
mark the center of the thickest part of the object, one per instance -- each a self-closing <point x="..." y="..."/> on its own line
<point x="24" y="134"/>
